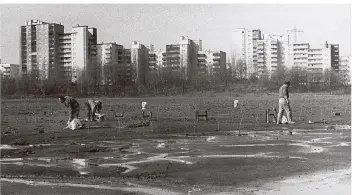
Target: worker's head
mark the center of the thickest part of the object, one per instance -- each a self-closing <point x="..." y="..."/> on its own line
<point x="62" y="99"/>
<point x="287" y="83"/>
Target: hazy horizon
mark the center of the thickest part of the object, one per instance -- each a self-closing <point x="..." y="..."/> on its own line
<point x="162" y="24"/>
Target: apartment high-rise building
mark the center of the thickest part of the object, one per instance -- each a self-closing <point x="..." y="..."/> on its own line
<point x="270" y="54"/>
<point x="216" y="64"/>
<point x="345" y="70"/>
<point x="153" y="59"/>
<point x="83" y="50"/>
<point x="128" y="65"/>
<point x="65" y="55"/>
<point x="297" y="55"/>
<point x="140" y="62"/>
<point x="173" y="58"/>
<point x="152" y="62"/>
<point x="335" y="55"/>
<point x="182" y="58"/>
<point x="78" y="53"/>
<point x="109" y="61"/>
<point x="249" y="53"/>
<point x="317" y="63"/>
<point x="10" y="70"/>
<point x="320" y="60"/>
<point x="188" y="57"/>
<point x="40" y="48"/>
<point x="202" y="64"/>
<point x="160" y="59"/>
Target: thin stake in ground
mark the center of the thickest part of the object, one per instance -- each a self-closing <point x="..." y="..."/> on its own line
<point x="242" y="113"/>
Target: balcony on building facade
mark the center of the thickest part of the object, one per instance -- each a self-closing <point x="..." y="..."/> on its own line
<point x="315" y="64"/>
<point x="315" y="59"/>
<point x="300" y="50"/>
<point x="300" y="44"/>
<point x="65" y="61"/>
<point x="217" y="54"/>
<point x="260" y="60"/>
<point x="300" y="55"/>
<point x="260" y="52"/>
<point x="273" y="55"/>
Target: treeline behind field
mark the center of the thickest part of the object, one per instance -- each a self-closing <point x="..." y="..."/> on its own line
<point x="163" y="85"/>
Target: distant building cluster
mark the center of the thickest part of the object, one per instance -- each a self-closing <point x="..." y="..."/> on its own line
<point x="71" y="56"/>
<point x="57" y="54"/>
<point x="263" y="53"/>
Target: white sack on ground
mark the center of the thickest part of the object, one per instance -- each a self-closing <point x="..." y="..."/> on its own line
<point x="74" y="124"/>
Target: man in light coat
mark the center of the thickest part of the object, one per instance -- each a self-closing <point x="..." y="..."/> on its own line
<point x="284" y="103"/>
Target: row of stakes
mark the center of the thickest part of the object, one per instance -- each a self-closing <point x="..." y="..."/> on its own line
<point x="203" y="115"/>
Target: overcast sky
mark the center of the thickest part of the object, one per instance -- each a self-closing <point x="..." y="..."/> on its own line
<point x="164" y="24"/>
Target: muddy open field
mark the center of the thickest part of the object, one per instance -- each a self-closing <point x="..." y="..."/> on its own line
<point x="234" y="152"/>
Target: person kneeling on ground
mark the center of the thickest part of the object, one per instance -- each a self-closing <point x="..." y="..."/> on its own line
<point x="93" y="107"/>
<point x="284" y="103"/>
<point x="71" y="103"/>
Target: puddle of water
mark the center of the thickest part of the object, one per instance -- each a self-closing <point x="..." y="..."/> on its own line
<point x="108" y="157"/>
<point x="345" y="144"/>
<point x="232" y="155"/>
<point x="342" y="127"/>
<point x="27" y="163"/>
<point x="309" y="148"/>
<point x="342" y="144"/>
<point x="128" y="167"/>
<point x="258" y="155"/>
<point x="45" y="159"/>
<point x="313" y="149"/>
<point x="81" y="165"/>
<point x="137" y="189"/>
<point x="251" y="145"/>
<point x="10" y="159"/>
<point x="319" y="133"/>
<point x="77" y="164"/>
<point x="7" y="147"/>
<point x="161" y="157"/>
<point x="80" y="162"/>
<point x="211" y="139"/>
<point x="294" y="157"/>
<point x="161" y="145"/>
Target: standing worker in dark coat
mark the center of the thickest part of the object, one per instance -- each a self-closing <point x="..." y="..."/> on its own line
<point x="92" y="107"/>
<point x="284" y="103"/>
<point x="71" y="103"/>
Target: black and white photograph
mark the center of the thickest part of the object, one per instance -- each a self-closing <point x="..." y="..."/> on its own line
<point x="173" y="98"/>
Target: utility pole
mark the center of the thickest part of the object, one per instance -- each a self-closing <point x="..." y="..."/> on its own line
<point x="294" y="31"/>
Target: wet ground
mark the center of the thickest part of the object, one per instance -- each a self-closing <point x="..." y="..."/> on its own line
<point x="104" y="159"/>
<point x="201" y="164"/>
